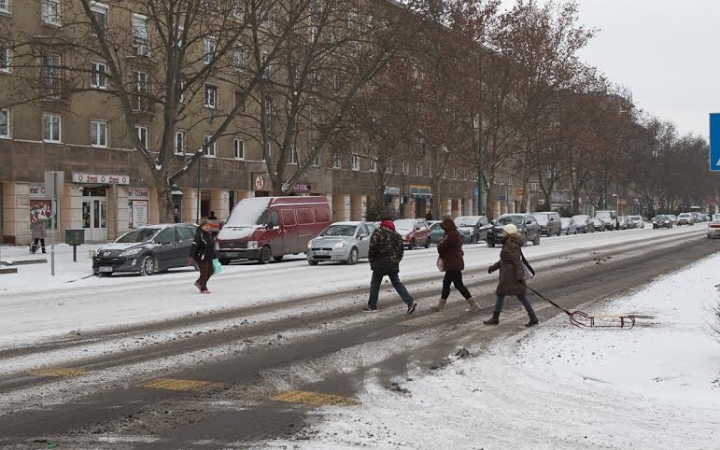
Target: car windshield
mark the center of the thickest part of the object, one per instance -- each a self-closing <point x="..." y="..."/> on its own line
<point x="603" y="215"/>
<point x="250" y="211"/>
<point x="466" y="221"/>
<point x="659" y="218"/>
<point x="514" y="219"/>
<point x="137" y="236"/>
<point x="684" y="215"/>
<point x="405" y="225"/>
<point x="339" y="230"/>
<point x="541" y="218"/>
<point x="580" y="218"/>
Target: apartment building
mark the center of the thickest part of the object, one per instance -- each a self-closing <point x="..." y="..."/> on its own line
<point x="57" y="113"/>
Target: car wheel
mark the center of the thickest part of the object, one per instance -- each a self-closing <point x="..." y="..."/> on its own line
<point x="353" y="258"/>
<point x="147" y="266"/>
<point x="537" y="239"/>
<point x="560" y="232"/>
<point x="312" y="263"/>
<point x="412" y="244"/>
<point x="524" y="239"/>
<point x="265" y="255"/>
<point x="427" y="243"/>
<point x="490" y="243"/>
<point x="224" y="261"/>
<point x="278" y="258"/>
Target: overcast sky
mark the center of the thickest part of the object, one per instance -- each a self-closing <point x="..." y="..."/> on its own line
<point x="664" y="51"/>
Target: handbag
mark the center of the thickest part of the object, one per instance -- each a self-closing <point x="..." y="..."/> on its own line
<point x="217" y="267"/>
<point x="440" y="264"/>
<point x="527" y="268"/>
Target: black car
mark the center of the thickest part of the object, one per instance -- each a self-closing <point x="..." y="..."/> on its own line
<point x="146" y="250"/>
<point x="473" y="225"/>
<point x="662" y="221"/>
<point x="526" y="224"/>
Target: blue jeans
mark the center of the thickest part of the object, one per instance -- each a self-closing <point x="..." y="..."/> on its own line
<point x="395" y="280"/>
<point x="525" y="302"/>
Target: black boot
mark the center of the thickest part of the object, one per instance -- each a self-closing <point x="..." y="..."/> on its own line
<point x="494" y="320"/>
<point x="533" y="320"/>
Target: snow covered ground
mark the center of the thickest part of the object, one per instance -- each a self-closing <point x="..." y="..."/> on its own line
<point x="656" y="386"/>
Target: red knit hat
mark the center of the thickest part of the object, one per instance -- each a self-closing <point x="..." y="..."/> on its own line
<point x="388" y="224"/>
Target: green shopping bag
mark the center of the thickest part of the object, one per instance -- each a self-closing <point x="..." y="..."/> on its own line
<point x="217" y="267"/>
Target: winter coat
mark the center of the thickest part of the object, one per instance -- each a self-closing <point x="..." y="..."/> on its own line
<point x="512" y="274"/>
<point x="450" y="247"/>
<point x="386" y="251"/>
<point x="203" y="246"/>
<point x="38" y="229"/>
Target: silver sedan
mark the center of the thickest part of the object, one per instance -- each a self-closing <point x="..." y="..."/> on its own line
<point x="713" y="229"/>
<point x="341" y="241"/>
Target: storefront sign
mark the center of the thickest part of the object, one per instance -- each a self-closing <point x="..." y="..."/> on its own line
<point x="138" y="213"/>
<point x="392" y="190"/>
<point x="37" y="191"/>
<point x="302" y="187"/>
<point x="139" y="193"/>
<point x="100" y="179"/>
<point x="421" y="191"/>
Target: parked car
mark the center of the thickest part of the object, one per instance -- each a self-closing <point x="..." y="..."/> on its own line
<point x="598" y="224"/>
<point x="662" y="221"/>
<point x="346" y="242"/>
<point x="146" y="250"/>
<point x="415" y="232"/>
<point x="262" y="228"/>
<point x="525" y="223"/>
<point x="673" y="218"/>
<point x="549" y="223"/>
<point x="608" y="218"/>
<point x="568" y="226"/>
<point x="713" y="229"/>
<point x="624" y="223"/>
<point x="437" y="233"/>
<point x="685" y="219"/>
<point x="584" y="223"/>
<point x="473" y="225"/>
<point x="638" y="221"/>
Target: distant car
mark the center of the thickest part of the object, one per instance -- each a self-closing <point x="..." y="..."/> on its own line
<point x="437" y="233"/>
<point x="345" y="242"/>
<point x="685" y="219"/>
<point x="713" y="229"/>
<point x="146" y="250"/>
<point x="473" y="225"/>
<point x="673" y="218"/>
<point x="584" y="223"/>
<point x="568" y="226"/>
<point x="598" y="224"/>
<point x="662" y="221"/>
<point x="526" y="224"/>
<point x="625" y="223"/>
<point x="549" y="222"/>
<point x="638" y="221"/>
<point x="415" y="232"/>
<point x="608" y="218"/>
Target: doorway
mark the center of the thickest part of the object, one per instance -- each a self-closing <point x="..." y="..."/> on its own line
<point x="94" y="212"/>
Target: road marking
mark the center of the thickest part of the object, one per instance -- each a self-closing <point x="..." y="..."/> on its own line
<point x="60" y="372"/>
<point x="172" y="384"/>
<point x="313" y="398"/>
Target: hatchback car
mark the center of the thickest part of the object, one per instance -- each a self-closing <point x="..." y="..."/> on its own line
<point x="713" y="229"/>
<point x="472" y="226"/>
<point x="685" y="219"/>
<point x="638" y="221"/>
<point x="341" y="241"/>
<point x="415" y="232"/>
<point x="526" y="224"/>
<point x="584" y="223"/>
<point x="146" y="250"/>
<point x="549" y="223"/>
<point x="662" y="221"/>
<point x="568" y="226"/>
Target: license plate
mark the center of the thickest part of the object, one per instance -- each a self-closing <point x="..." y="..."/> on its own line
<point x="322" y="253"/>
<point x="231" y="254"/>
<point x="105" y="269"/>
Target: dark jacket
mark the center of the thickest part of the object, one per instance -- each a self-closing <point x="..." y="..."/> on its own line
<point x="386" y="250"/>
<point x="450" y="246"/>
<point x="512" y="273"/>
<point x="203" y="246"/>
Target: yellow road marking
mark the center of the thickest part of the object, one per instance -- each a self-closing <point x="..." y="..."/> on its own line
<point x="313" y="398"/>
<point x="172" y="384"/>
<point x="64" y="372"/>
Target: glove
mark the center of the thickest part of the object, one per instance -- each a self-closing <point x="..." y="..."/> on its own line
<point x="490" y="269"/>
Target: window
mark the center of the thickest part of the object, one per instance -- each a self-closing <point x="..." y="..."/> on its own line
<point x="5" y="57"/>
<point x="140" y="35"/>
<point x="455" y="173"/>
<point x="52" y="124"/>
<point x="239" y="149"/>
<point x="265" y="61"/>
<point x="420" y="146"/>
<point x="418" y="169"/>
<point x="315" y="7"/>
<point x="313" y="33"/>
<point x="239" y="58"/>
<point x="355" y="162"/>
<point x="210" y="49"/>
<point x="179" y="142"/>
<point x="352" y="20"/>
<point x="4" y="123"/>
<point x="98" y="77"/>
<point x="389" y="166"/>
<point x="142" y="133"/>
<point x="373" y="165"/>
<point x="240" y="100"/>
<point x="140" y="87"/>
<point x="210" y="150"/>
<point x="406" y="168"/>
<point x="237" y="10"/>
<point x="98" y="133"/>
<point x="293" y="155"/>
<point x="52" y="12"/>
<point x="210" y="96"/>
<point x="269" y="151"/>
<point x="430" y="171"/>
<point x="316" y="159"/>
<point x="100" y="12"/>
<point x="336" y="161"/>
<point x="5" y="6"/>
<point x="51" y="75"/>
<point x="265" y="19"/>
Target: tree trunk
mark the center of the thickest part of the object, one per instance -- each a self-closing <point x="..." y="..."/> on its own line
<point x="164" y="198"/>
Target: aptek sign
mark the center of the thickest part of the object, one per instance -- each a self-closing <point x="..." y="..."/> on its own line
<point x="715" y="142"/>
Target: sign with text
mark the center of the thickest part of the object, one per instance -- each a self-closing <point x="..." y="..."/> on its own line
<point x="715" y="142"/>
<point x="100" y="179"/>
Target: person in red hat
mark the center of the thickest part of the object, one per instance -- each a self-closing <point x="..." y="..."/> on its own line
<point x="386" y="252"/>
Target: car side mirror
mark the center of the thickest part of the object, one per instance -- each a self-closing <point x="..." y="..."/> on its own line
<point x="529" y="222"/>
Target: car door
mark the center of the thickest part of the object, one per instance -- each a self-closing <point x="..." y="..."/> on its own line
<point x="363" y="240"/>
<point x="187" y="235"/>
<point x="422" y="232"/>
<point x="532" y="229"/>
<point x="166" y="247"/>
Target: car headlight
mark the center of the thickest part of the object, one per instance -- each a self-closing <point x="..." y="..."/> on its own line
<point x="340" y="245"/>
<point x="309" y="246"/>
<point x="132" y="251"/>
<point x="252" y="244"/>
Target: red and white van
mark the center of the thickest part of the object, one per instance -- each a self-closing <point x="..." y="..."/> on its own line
<point x="262" y="228"/>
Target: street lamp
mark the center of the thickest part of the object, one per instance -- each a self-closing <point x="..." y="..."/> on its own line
<point x="617" y="203"/>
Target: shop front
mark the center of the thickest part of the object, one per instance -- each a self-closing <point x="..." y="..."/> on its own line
<point x="101" y="206"/>
<point x="422" y="204"/>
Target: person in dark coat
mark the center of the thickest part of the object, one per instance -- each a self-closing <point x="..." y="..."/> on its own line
<point x="386" y="252"/>
<point x="512" y="275"/>
<point x="450" y="250"/>
<point x="429" y="216"/>
<point x="203" y="252"/>
<point x="38" y="234"/>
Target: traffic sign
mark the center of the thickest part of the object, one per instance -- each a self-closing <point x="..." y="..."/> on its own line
<point x="715" y="142"/>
